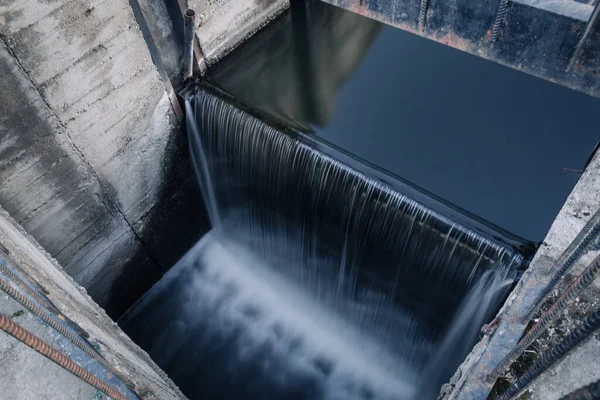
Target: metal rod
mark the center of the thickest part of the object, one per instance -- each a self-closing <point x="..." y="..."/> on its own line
<point x="44" y="316"/>
<point x="199" y="55"/>
<point x="39" y="297"/>
<point x="569" y="257"/>
<point x="591" y="25"/>
<point x="5" y="261"/>
<point x="28" y="289"/>
<point x="500" y="16"/>
<point x="423" y="14"/>
<point x="189" y="17"/>
<point x="26" y="337"/>
<point x="156" y="58"/>
<point x="582" y="282"/>
<point x="589" y="392"/>
<point x="550" y="357"/>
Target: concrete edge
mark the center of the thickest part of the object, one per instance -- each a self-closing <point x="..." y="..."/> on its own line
<point x="470" y="382"/>
<point x="127" y="357"/>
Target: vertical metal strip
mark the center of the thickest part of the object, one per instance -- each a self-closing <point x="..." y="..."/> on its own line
<point x="154" y="53"/>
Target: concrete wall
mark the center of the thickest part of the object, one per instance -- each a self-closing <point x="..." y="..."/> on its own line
<point x="537" y="37"/>
<point x="93" y="160"/>
<point x="577" y="369"/>
<point x="81" y="103"/>
<point x="90" y="147"/>
<point x="28" y="375"/>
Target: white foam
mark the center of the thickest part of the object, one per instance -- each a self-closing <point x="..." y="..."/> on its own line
<point x="230" y="271"/>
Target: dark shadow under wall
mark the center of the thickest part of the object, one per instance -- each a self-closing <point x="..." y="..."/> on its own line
<point x="174" y="225"/>
<point x="46" y="186"/>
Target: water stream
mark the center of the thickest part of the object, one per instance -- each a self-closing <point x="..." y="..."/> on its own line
<point x="321" y="278"/>
<point x="490" y="139"/>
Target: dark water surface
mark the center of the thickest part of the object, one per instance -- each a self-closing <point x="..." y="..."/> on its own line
<point x="487" y="138"/>
<point x="320" y="278"/>
<point x="323" y="278"/>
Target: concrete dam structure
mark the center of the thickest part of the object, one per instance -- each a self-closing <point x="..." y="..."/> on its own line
<point x="165" y="236"/>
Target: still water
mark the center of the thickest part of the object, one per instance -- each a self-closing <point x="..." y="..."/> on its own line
<point x="491" y="140"/>
<point x="322" y="277"/>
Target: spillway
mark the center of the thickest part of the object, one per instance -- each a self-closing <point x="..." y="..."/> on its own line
<point x="322" y="277"/>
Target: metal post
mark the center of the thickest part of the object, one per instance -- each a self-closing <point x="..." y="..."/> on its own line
<point x="189" y="16"/>
<point x="591" y="391"/>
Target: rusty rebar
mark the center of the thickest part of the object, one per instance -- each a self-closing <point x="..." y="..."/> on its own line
<point x="569" y="257"/>
<point x="28" y="277"/>
<point x="45" y="316"/>
<point x="590" y="325"/>
<point x="23" y="285"/>
<point x="45" y="302"/>
<point x="423" y="13"/>
<point x="500" y="16"/>
<point x="26" y="337"/>
<point x="574" y="289"/>
<point x="589" y="392"/>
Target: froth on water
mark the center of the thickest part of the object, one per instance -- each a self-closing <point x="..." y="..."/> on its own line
<point x="225" y="326"/>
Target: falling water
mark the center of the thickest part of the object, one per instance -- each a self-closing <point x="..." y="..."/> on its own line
<point x="318" y="280"/>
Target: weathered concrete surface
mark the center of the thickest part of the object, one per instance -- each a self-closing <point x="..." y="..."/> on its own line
<point x="165" y="22"/>
<point x="580" y="367"/>
<point x="224" y="24"/>
<point x="28" y="375"/>
<point x="47" y="186"/>
<point x="536" y="36"/>
<point x="89" y="143"/>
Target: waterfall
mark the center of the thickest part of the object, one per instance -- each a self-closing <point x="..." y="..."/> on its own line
<point x="320" y="278"/>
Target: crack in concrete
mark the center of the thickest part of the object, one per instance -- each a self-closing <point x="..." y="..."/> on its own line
<point x="105" y="197"/>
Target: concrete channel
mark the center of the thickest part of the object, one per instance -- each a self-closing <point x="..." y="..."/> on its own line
<point x="94" y="173"/>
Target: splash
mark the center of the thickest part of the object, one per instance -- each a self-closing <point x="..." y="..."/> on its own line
<point x="318" y="281"/>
